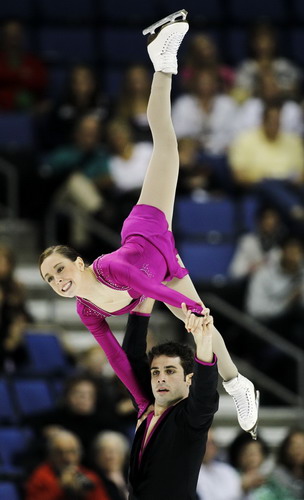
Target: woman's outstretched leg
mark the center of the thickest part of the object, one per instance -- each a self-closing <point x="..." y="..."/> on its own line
<point x="161" y="178"/>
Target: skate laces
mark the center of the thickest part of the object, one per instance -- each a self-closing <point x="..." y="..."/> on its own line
<point x="243" y="402"/>
<point x="171" y="45"/>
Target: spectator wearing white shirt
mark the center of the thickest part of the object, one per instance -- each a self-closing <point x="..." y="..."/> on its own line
<point x="250" y="114"/>
<point x="205" y="114"/>
<point x="128" y="163"/>
<point x="217" y="480"/>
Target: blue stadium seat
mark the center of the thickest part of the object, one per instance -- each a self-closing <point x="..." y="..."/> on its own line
<point x="8" y="491"/>
<point x="13" y="442"/>
<point x="138" y="12"/>
<point x="112" y="80"/>
<point x="205" y="262"/>
<point x="46" y="356"/>
<point x="57" y="81"/>
<point x="32" y="396"/>
<point x="248" y="211"/>
<point x="67" y="44"/>
<point x="298" y="9"/>
<point x="7" y="410"/>
<point x="236" y="45"/>
<point x="253" y="10"/>
<point x="57" y="10"/>
<point x="206" y="11"/>
<point x="123" y="46"/>
<point x="20" y="9"/>
<point x="296" y="45"/>
<point x="213" y="218"/>
<point x="16" y="131"/>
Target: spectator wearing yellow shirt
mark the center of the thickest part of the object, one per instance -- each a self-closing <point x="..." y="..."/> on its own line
<point x="271" y="163"/>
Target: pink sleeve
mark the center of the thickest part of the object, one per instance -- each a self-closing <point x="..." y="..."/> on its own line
<point x="130" y="276"/>
<point x="116" y="356"/>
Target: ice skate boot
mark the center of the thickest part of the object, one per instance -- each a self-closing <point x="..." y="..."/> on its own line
<point x="246" y="400"/>
<point x="163" y="45"/>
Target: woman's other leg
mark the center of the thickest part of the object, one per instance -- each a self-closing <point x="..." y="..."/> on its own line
<point x="161" y="178"/>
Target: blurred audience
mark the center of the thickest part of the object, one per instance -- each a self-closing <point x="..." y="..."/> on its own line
<point x="128" y="162"/>
<point x="250" y="458"/>
<point x="205" y="114"/>
<point x="23" y="76"/>
<point x="287" y="480"/>
<point x="202" y="53"/>
<point x="217" y="480"/>
<point x="80" y="97"/>
<point x="265" y="57"/>
<point x="61" y="476"/>
<point x="276" y="292"/>
<point x="132" y="102"/>
<point x="195" y="175"/>
<point x="79" y="412"/>
<point x="111" y="451"/>
<point x="83" y="177"/>
<point x="14" y="316"/>
<point x="268" y="92"/>
<point x="259" y="247"/>
<point x="271" y="163"/>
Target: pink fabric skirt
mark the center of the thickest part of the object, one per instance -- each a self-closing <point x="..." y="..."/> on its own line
<point x="150" y="223"/>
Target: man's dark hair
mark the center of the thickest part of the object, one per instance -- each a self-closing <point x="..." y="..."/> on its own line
<point x="172" y="350"/>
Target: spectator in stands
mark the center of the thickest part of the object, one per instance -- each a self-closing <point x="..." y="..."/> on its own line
<point x="205" y="113"/>
<point x="217" y="480"/>
<point x="264" y="46"/>
<point x="202" y="53"/>
<point x="111" y="451"/>
<point x="271" y="163"/>
<point x="93" y="363"/>
<point x="78" y="412"/>
<point x="259" y="247"/>
<point x="195" y="175"/>
<point x="23" y="76"/>
<point x="14" y="316"/>
<point x="250" y="115"/>
<point x="127" y="164"/>
<point x="61" y="476"/>
<point x="250" y="459"/>
<point x="84" y="179"/>
<point x="287" y="480"/>
<point x="80" y="97"/>
<point x="276" y="292"/>
<point x="133" y="101"/>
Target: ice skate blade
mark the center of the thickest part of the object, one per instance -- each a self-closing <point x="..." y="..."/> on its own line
<point x="254" y="430"/>
<point x="169" y="19"/>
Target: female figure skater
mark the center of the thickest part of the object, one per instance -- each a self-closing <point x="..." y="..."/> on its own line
<point x="115" y="283"/>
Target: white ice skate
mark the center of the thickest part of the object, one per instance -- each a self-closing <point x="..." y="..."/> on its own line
<point x="247" y="401"/>
<point x="163" y="45"/>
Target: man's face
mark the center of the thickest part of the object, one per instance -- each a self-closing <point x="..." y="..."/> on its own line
<point x="169" y="383"/>
<point x="65" y="452"/>
<point x="82" y="398"/>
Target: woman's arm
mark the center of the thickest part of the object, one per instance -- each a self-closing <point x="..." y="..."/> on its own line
<point x="117" y="358"/>
<point x="130" y="276"/>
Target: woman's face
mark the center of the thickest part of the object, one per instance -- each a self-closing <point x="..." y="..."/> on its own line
<point x="83" y="82"/>
<point x="63" y="275"/>
<point x="251" y="456"/>
<point x="110" y="456"/>
<point x="295" y="449"/>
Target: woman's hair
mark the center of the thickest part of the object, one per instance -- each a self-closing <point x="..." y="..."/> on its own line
<point x="63" y="250"/>
<point x="172" y="350"/>
<point x="239" y="444"/>
<point x="283" y="457"/>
